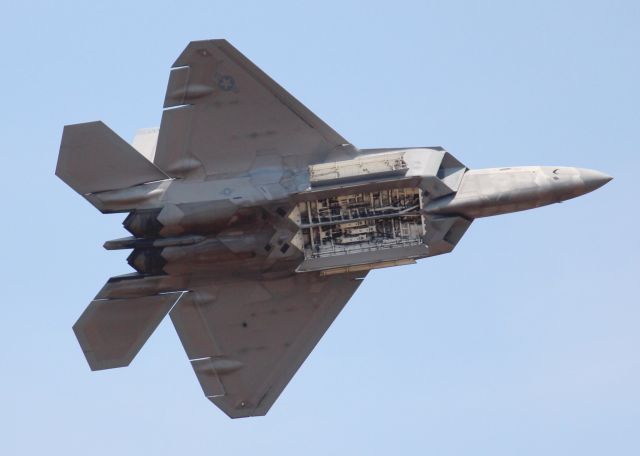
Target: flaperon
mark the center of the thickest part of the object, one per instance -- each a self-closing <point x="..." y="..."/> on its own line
<point x="253" y="222"/>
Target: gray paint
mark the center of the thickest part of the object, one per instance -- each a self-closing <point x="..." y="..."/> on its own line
<point x="486" y="192"/>
<point x="256" y="222"/>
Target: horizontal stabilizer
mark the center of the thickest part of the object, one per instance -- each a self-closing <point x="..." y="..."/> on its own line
<point x="111" y="332"/>
<point x="93" y="158"/>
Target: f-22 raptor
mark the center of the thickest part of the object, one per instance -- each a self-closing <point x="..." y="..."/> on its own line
<point x="253" y="222"/>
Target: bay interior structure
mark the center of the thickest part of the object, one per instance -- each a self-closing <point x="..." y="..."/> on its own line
<point x="253" y="222"/>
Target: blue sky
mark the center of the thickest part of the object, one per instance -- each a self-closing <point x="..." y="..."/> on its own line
<point x="522" y="341"/>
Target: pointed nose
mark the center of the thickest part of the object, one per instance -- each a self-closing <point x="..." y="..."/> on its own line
<point x="593" y="179"/>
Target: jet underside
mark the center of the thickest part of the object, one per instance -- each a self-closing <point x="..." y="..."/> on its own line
<point x="252" y="222"/>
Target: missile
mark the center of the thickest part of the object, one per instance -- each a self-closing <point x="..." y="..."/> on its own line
<point x="132" y="242"/>
<point x="494" y="191"/>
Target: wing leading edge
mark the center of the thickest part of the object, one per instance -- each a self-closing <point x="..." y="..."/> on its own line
<point x="225" y="116"/>
<point x="246" y="340"/>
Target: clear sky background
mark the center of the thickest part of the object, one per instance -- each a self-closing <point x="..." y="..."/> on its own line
<point x="525" y="340"/>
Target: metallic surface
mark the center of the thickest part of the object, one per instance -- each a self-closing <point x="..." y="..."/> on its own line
<point x="252" y="222"/>
<point x="486" y="192"/>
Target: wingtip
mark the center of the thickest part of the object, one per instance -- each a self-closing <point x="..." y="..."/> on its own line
<point x="203" y="45"/>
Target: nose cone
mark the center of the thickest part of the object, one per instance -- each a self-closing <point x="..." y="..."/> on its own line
<point x="593" y="179"/>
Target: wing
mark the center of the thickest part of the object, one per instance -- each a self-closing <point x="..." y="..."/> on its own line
<point x="246" y="340"/>
<point x="224" y="116"/>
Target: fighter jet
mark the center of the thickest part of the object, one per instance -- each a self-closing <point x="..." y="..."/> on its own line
<point x="253" y="222"/>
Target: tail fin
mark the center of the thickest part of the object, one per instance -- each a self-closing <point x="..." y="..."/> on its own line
<point x="111" y="332"/>
<point x="93" y="158"/>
